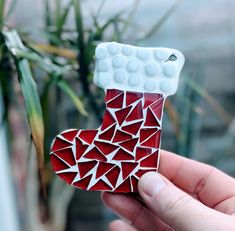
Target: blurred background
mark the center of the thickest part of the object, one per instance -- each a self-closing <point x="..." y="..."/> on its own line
<point x="46" y="68"/>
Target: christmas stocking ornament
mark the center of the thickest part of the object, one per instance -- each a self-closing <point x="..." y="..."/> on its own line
<point x="114" y="156"/>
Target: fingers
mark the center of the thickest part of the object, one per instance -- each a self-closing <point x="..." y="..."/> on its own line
<point x="197" y="178"/>
<point x="175" y="207"/>
<point x="132" y="211"/>
<point x="118" y="225"/>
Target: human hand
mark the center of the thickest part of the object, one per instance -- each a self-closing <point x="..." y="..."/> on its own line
<point x="184" y="195"/>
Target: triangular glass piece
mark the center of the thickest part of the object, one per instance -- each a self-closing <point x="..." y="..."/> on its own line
<point x="134" y="183"/>
<point x="151" y="120"/>
<point x="127" y="168"/>
<point x="142" y="152"/>
<point x="70" y="135"/>
<point x="108" y="120"/>
<point x="136" y="113"/>
<point x="80" y="148"/>
<point x="103" y="168"/>
<point x="111" y="94"/>
<point x="105" y="148"/>
<point x="153" y="141"/>
<point x="95" y="154"/>
<point x="122" y="155"/>
<point x="67" y="176"/>
<point x="116" y="102"/>
<point x="85" y="167"/>
<point x="149" y="98"/>
<point x="108" y="135"/>
<point x="145" y="133"/>
<point x="122" y="114"/>
<point x="132" y="97"/>
<point x="100" y="186"/>
<point x="88" y="135"/>
<point x="157" y="108"/>
<point x="150" y="161"/>
<point x="141" y="172"/>
<point x="129" y="144"/>
<point x="84" y="183"/>
<point x="57" y="164"/>
<point x="121" y="136"/>
<point x="132" y="128"/>
<point x="60" y="144"/>
<point x="113" y="175"/>
<point x="124" y="187"/>
<point x="66" y="155"/>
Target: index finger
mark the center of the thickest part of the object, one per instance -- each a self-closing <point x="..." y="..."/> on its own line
<point x="209" y="184"/>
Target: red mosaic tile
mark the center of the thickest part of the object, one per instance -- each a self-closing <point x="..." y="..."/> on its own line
<point x="70" y="135"/>
<point x="149" y="98"/>
<point x="136" y="113"/>
<point x="142" y="152"/>
<point x="85" y="167"/>
<point x="67" y="155"/>
<point x="124" y="187"/>
<point x="145" y="133"/>
<point x="150" y="161"/>
<point x="103" y="168"/>
<point x="132" y="97"/>
<point x="95" y="154"/>
<point x="127" y="168"/>
<point x="108" y="134"/>
<point x="153" y="141"/>
<point x="113" y="175"/>
<point x="57" y="164"/>
<point x="151" y="119"/>
<point x="59" y="144"/>
<point x="111" y="94"/>
<point x="100" y="185"/>
<point x="83" y="183"/>
<point x="105" y="148"/>
<point x="116" y="102"/>
<point x="108" y="120"/>
<point x="122" y="114"/>
<point x="122" y="155"/>
<point x="134" y="183"/>
<point x="121" y="136"/>
<point x="132" y="128"/>
<point x="80" y="148"/>
<point x="129" y="144"/>
<point x="67" y="176"/>
<point x="141" y="172"/>
<point x="88" y="135"/>
<point x="157" y="108"/>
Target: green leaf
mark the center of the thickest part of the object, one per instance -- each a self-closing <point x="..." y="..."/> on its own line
<point x="72" y="95"/>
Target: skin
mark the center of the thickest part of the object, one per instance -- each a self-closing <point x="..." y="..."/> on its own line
<point x="185" y="195"/>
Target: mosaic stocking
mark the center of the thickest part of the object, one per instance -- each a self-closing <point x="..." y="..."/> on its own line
<point x="126" y="145"/>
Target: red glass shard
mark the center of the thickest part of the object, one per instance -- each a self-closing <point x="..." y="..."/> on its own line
<point x="111" y="94"/>
<point x="127" y="168"/>
<point x="84" y="183"/>
<point x="132" y="97"/>
<point x="57" y="164"/>
<point x="150" y="161"/>
<point x="95" y="154"/>
<point x="103" y="168"/>
<point x="60" y="144"/>
<point x="145" y="133"/>
<point x="141" y="172"/>
<point x="151" y="120"/>
<point x="100" y="185"/>
<point x="142" y="152"/>
<point x="157" y="108"/>
<point x="122" y="114"/>
<point x="66" y="155"/>
<point x="132" y="128"/>
<point x="149" y="98"/>
<point x="108" y="120"/>
<point x="122" y="155"/>
<point x="105" y="148"/>
<point x="153" y="141"/>
<point x="80" y="148"/>
<point x="134" y="183"/>
<point x="116" y="102"/>
<point x="121" y="136"/>
<point x="108" y="135"/>
<point x="88" y="135"/>
<point x="129" y="144"/>
<point x="136" y="113"/>
<point x="70" y="135"/>
<point x="85" y="167"/>
<point x="113" y="175"/>
<point x="124" y="187"/>
<point x="67" y="176"/>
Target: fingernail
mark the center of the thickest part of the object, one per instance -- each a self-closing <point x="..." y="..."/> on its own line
<point x="151" y="183"/>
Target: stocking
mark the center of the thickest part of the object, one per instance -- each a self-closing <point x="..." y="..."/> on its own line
<point x="114" y="156"/>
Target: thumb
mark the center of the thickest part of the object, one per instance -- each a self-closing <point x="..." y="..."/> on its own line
<point x="173" y="206"/>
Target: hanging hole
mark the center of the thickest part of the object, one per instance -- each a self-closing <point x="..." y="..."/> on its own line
<point x="172" y="58"/>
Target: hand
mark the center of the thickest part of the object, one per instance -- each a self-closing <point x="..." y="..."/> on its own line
<point x="184" y="195"/>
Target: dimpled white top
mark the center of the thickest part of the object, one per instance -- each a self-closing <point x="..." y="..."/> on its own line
<point x="126" y="67"/>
